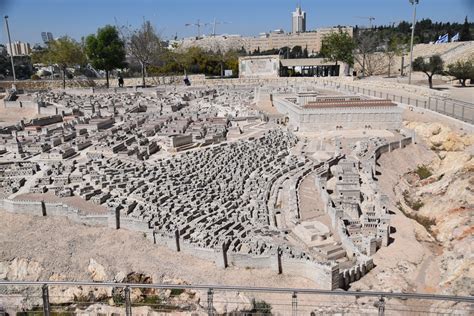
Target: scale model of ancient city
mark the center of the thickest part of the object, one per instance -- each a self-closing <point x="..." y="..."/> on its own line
<point x="200" y="170"/>
<point x="324" y="178"/>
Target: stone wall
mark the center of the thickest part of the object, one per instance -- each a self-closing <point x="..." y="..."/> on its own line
<point x="326" y="275"/>
<point x="98" y="83"/>
<point x="39" y="208"/>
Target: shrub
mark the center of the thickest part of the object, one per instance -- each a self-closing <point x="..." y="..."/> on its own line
<point x="417" y="205"/>
<point x="176" y="292"/>
<point x="423" y="172"/>
<point x="259" y="308"/>
<point x="35" y="77"/>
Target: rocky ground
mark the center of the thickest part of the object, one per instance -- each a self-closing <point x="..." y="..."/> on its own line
<point x="430" y="185"/>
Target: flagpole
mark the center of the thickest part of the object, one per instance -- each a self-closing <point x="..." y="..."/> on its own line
<point x="414" y="3"/>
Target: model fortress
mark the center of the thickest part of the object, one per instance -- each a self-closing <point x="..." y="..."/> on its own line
<point x="201" y="171"/>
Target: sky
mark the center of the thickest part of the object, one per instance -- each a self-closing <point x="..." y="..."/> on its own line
<point x="77" y="18"/>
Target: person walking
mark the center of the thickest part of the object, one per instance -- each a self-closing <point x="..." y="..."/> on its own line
<point x="120" y="80"/>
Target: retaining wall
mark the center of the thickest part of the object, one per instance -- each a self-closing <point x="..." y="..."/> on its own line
<point x="53" y="209"/>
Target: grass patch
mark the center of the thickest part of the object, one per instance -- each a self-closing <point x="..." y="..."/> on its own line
<point x="423" y="172"/>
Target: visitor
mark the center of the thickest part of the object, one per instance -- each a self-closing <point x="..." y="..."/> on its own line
<point x="120" y="80"/>
<point x="186" y="80"/>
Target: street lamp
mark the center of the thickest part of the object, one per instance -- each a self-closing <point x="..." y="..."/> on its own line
<point x="414" y="3"/>
<point x="11" y="50"/>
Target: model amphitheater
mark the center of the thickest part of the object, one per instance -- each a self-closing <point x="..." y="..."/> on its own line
<point x="288" y="184"/>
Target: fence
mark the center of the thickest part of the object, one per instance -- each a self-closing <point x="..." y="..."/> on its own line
<point x="457" y="109"/>
<point x="45" y="299"/>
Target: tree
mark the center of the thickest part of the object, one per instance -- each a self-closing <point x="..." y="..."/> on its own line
<point x="462" y="70"/>
<point x="393" y="48"/>
<point x="338" y="46"/>
<point x="106" y="50"/>
<point x="145" y="45"/>
<point x="296" y="51"/>
<point x="465" y="34"/>
<point x="64" y="52"/>
<point x="431" y="67"/>
<point x="366" y="44"/>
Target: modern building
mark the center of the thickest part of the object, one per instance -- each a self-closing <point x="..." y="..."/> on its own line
<point x="19" y="49"/>
<point x="309" y="40"/>
<point x="273" y="40"/>
<point x="259" y="66"/>
<point x="298" y="21"/>
<point x="273" y="66"/>
<point x="47" y="37"/>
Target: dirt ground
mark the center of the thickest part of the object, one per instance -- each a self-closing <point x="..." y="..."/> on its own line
<point x="12" y="116"/>
<point x="65" y="248"/>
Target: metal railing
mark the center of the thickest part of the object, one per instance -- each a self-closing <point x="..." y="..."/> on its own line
<point x="267" y="300"/>
<point x="457" y="109"/>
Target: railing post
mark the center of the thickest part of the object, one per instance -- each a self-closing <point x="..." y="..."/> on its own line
<point x="128" y="303"/>
<point x="210" y="298"/>
<point x="294" y="304"/>
<point x="381" y="306"/>
<point x="46" y="306"/>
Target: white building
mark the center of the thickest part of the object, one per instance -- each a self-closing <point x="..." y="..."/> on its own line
<point x="298" y="20"/>
<point x="313" y="112"/>
<point x="19" y="49"/>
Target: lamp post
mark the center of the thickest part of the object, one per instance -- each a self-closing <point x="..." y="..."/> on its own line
<point x="414" y="3"/>
<point x="11" y="50"/>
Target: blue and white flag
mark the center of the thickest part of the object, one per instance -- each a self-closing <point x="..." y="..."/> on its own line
<point x="455" y="38"/>
<point x="443" y="39"/>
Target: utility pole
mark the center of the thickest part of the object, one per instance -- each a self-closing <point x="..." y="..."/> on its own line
<point x="414" y="3"/>
<point x="11" y="52"/>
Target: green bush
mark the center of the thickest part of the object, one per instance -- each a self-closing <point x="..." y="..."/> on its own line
<point x="423" y="172"/>
<point x="176" y="292"/>
<point x="259" y="308"/>
<point x="417" y="205"/>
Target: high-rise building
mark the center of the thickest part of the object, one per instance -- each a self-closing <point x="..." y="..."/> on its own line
<point x="19" y="49"/>
<point x="298" y="24"/>
<point x="47" y="37"/>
